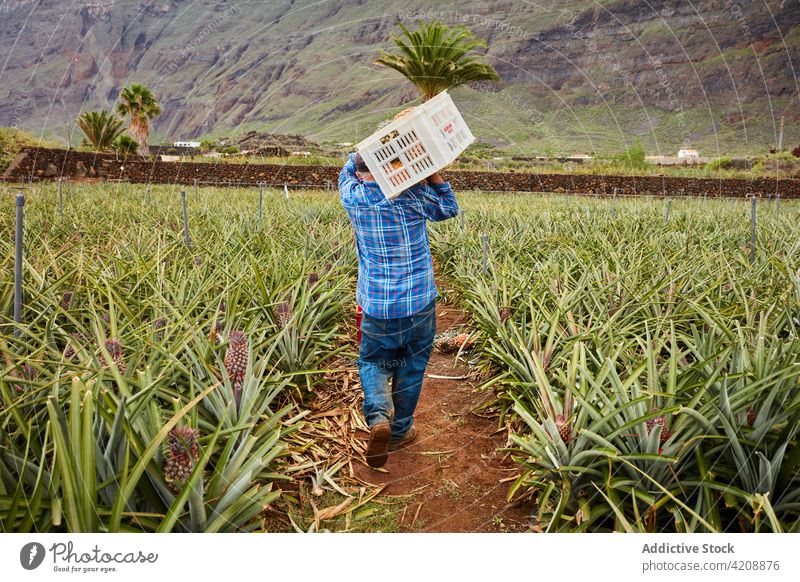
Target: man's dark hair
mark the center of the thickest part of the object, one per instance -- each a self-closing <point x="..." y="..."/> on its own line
<point x="361" y="165"/>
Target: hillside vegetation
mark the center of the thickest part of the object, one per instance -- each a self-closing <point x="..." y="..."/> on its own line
<point x="577" y="75"/>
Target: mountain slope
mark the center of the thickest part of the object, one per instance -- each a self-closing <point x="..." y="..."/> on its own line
<point x="577" y="75"/>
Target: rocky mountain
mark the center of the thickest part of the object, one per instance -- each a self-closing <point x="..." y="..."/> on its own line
<point x="576" y="75"/>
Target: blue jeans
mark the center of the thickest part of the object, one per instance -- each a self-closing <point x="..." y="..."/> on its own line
<point x="395" y="350"/>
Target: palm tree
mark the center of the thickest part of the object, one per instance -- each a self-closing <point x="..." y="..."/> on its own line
<point x="140" y="103"/>
<point x="435" y="58"/>
<point x="101" y="128"/>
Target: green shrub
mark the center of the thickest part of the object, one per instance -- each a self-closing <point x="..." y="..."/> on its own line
<point x="125" y="146"/>
<point x="12" y="140"/>
<point x="721" y="163"/>
<point x="633" y="157"/>
<point x="778" y="165"/>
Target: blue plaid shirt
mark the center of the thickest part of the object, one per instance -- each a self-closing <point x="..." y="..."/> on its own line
<point x="395" y="266"/>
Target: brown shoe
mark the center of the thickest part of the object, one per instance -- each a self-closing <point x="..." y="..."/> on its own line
<point x="407" y="439"/>
<point x="377" y="448"/>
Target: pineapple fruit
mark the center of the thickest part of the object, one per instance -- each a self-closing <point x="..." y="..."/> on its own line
<point x="69" y="351"/>
<point x="661" y="421"/>
<point x="114" y="348"/>
<point x="236" y="362"/>
<point x="283" y="312"/>
<point x="159" y="325"/>
<point x="66" y="300"/>
<point x="564" y="427"/>
<point x="181" y="453"/>
<point x="451" y="341"/>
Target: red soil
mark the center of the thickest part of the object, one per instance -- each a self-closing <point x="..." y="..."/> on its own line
<point x="455" y="478"/>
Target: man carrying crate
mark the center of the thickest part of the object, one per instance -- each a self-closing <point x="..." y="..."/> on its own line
<point x="397" y="294"/>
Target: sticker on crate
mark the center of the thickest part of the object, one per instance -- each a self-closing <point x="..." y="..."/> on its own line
<point x="422" y="142"/>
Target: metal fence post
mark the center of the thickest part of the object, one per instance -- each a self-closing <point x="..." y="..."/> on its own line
<point x="485" y="242"/>
<point x="260" y="199"/>
<point x="187" y="239"/>
<point x="286" y="190"/>
<point x="753" y="230"/>
<point x="20" y="204"/>
<point x="669" y="206"/>
<point x="60" y="199"/>
<point x="614" y="204"/>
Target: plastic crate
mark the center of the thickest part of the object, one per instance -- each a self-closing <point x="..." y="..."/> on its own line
<point x="411" y="148"/>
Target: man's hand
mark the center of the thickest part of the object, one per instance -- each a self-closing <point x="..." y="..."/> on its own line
<point x="435" y="179"/>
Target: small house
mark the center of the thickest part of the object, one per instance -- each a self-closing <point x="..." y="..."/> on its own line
<point x="688" y="153"/>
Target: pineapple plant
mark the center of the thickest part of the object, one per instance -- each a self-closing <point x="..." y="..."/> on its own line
<point x="27" y="372"/>
<point x="564" y="427"/>
<point x="114" y="348"/>
<point x="283" y="313"/>
<point x="180" y="454"/>
<point x="159" y="326"/>
<point x="69" y="350"/>
<point x="751" y="416"/>
<point x="66" y="300"/>
<point x="661" y="421"/>
<point x="236" y="362"/>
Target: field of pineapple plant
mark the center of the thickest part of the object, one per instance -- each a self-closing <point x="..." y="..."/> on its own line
<point x="644" y="356"/>
<point x="155" y="386"/>
<point x="645" y="370"/>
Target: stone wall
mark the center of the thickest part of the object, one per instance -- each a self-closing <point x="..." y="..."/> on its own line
<point x="42" y="164"/>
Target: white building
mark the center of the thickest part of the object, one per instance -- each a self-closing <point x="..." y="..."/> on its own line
<point x="688" y="153"/>
<point x="186" y="144"/>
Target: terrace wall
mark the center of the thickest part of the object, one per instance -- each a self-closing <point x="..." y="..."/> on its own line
<point x="44" y="164"/>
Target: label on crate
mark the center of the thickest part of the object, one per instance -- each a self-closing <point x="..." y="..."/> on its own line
<point x="389" y="136"/>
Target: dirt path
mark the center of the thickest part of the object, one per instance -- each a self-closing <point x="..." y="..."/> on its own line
<point x="452" y="479"/>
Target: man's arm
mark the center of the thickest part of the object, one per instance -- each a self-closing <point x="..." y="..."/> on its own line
<point x="348" y="181"/>
<point x="437" y="197"/>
